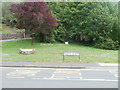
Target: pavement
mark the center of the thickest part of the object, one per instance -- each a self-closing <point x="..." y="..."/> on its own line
<point x="56" y="65"/>
<point x="13" y="39"/>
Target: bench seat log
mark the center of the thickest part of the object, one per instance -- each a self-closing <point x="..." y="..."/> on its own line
<point x="27" y="51"/>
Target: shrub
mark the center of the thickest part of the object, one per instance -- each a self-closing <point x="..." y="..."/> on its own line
<point x="107" y="43"/>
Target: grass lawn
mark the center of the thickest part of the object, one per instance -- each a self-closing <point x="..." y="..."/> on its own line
<point x="4" y="29"/>
<point x="53" y="52"/>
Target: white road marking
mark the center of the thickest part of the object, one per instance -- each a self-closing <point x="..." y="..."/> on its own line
<point x="15" y="77"/>
<point x="69" y="74"/>
<point x="115" y="73"/>
<point x="37" y="78"/>
<point x="63" y="78"/>
<point x="21" y="73"/>
<point x="52" y="76"/>
<point x="68" y="69"/>
<point x="59" y="74"/>
<point x="82" y="79"/>
<point x="108" y="64"/>
<point x="98" y="80"/>
<point x="97" y="70"/>
<point x="80" y="75"/>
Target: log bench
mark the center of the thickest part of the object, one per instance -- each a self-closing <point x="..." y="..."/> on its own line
<point x="27" y="51"/>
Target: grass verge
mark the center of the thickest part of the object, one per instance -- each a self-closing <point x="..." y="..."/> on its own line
<point x="46" y="52"/>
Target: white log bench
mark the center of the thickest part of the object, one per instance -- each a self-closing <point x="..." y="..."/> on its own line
<point x="27" y="51"/>
<point x="71" y="54"/>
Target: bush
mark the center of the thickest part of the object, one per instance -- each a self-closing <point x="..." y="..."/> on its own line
<point x="50" y="38"/>
<point x="107" y="44"/>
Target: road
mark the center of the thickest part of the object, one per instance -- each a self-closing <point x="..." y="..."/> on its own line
<point x="13" y="77"/>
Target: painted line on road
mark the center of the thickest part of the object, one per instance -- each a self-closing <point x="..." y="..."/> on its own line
<point x="37" y="78"/>
<point x="15" y="77"/>
<point x="67" y="73"/>
<point x="98" y="80"/>
<point x="52" y="76"/>
<point x="80" y="74"/>
<point x="81" y="79"/>
<point x="115" y="73"/>
<point x="22" y="73"/>
<point x="67" y="69"/>
<point x="97" y="70"/>
<point x="108" y="64"/>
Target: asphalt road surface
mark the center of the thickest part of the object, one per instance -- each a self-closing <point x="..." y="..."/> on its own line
<point x="13" y="77"/>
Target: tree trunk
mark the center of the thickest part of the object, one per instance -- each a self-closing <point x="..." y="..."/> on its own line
<point x="32" y="39"/>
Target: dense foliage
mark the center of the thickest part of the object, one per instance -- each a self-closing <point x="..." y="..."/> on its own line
<point x="34" y="17"/>
<point x="7" y="17"/>
<point x="94" y="23"/>
<point x="90" y="22"/>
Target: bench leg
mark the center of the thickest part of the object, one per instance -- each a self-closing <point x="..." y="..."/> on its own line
<point x="79" y="58"/>
<point x="63" y="58"/>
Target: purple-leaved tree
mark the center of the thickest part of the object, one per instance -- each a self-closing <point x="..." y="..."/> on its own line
<point x="34" y="17"/>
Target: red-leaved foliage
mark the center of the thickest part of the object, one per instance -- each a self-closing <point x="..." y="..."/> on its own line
<point x="34" y="17"/>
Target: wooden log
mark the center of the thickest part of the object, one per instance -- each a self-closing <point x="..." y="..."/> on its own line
<point x="27" y="51"/>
